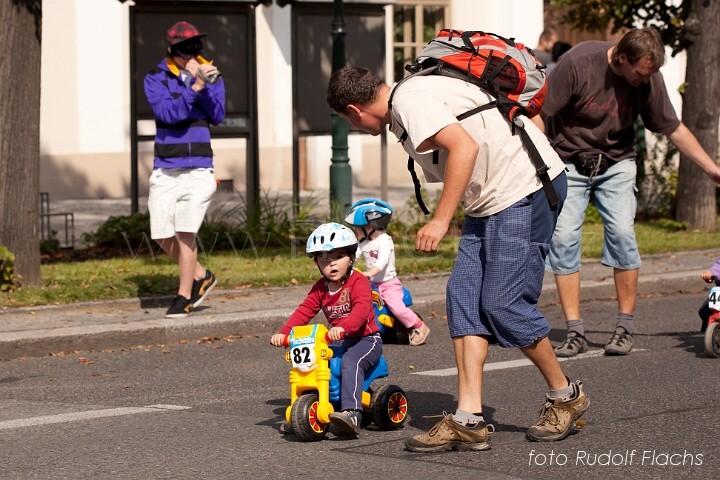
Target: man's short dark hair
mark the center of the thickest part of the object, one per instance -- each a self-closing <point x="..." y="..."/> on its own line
<point x="638" y="44"/>
<point x="558" y="49"/>
<point x="351" y="84"/>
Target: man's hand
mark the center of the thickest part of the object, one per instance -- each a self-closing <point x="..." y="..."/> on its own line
<point x="429" y="236"/>
<point x="462" y="153"/>
<point x="195" y="69"/>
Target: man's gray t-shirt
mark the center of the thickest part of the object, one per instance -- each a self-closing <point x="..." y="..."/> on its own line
<point x="593" y="110"/>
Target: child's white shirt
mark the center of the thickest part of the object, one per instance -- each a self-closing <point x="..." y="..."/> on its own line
<point x="380" y="253"/>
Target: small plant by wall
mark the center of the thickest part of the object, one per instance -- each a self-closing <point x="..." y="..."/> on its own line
<point x="8" y="282"/>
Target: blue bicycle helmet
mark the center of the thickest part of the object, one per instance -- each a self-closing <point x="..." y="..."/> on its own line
<point x="370" y="211"/>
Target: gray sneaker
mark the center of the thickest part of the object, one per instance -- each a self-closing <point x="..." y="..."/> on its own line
<point x="574" y="343"/>
<point x="447" y="434"/>
<point x="620" y="343"/>
<point x="557" y="418"/>
<point x="348" y="421"/>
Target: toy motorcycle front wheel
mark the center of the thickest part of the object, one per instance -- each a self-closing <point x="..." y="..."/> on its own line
<point x="304" y="420"/>
<point x="712" y="340"/>
<point x="389" y="406"/>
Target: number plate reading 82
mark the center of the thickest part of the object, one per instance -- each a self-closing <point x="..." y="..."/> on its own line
<point x="302" y="353"/>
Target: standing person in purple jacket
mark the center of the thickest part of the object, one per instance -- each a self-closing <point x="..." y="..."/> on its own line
<point x="187" y="95"/>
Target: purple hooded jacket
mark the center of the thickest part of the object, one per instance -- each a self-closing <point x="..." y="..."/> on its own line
<point x="183" y="117"/>
<point x="715" y="269"/>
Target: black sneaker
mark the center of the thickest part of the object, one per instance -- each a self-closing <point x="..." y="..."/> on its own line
<point x="180" y="308"/>
<point x="202" y="287"/>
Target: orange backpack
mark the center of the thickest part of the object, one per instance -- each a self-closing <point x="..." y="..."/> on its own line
<point x="503" y="68"/>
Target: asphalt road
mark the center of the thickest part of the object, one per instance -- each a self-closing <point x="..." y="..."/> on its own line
<point x="211" y="410"/>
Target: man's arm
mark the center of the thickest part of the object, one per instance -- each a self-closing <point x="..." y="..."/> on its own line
<point x="462" y="153"/>
<point x="688" y="145"/>
<point x="538" y="120"/>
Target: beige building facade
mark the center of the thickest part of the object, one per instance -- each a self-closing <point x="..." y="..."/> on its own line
<point x="86" y="104"/>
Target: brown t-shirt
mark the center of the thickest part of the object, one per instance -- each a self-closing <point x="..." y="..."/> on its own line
<point x="593" y="110"/>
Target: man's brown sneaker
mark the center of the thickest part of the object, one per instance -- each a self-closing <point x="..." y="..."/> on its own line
<point x="557" y="418"/>
<point x="447" y="434"/>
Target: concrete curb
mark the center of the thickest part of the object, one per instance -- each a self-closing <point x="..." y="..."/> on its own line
<point x="42" y="342"/>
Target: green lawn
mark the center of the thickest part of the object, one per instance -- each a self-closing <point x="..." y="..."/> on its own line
<point x="148" y="275"/>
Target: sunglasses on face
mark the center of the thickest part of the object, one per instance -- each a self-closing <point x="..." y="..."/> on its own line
<point x="187" y="50"/>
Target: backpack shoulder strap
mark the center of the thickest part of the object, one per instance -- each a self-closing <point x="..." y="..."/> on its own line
<point x="541" y="168"/>
<point x="403" y="137"/>
<point x="416" y="185"/>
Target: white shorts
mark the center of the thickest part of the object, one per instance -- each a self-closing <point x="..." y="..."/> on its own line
<point x="178" y="200"/>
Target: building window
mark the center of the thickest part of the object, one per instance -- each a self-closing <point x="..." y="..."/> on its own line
<point x="414" y="25"/>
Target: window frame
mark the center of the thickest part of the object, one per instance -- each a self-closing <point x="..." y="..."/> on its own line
<point x="413" y="40"/>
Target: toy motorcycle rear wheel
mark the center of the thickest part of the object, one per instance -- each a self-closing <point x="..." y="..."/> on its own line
<point x="712" y="340"/>
<point x="303" y="416"/>
<point x="401" y="333"/>
<point x="389" y="406"/>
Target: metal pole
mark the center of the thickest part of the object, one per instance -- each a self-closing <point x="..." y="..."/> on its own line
<point x="340" y="170"/>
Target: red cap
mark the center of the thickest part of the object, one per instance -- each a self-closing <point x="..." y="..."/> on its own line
<point x="183" y="31"/>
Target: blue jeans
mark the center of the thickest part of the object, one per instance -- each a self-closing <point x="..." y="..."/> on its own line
<point x="614" y="195"/>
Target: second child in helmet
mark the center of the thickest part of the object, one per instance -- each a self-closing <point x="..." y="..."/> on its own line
<point x="370" y="218"/>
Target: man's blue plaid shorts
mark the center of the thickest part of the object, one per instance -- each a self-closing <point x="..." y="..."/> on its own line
<point x="498" y="275"/>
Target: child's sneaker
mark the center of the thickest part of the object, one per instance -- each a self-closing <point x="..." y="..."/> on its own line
<point x="574" y="343"/>
<point x="447" y="434"/>
<point x="180" y="308"/>
<point x="348" y="421"/>
<point x="419" y="335"/>
<point x="620" y="343"/>
<point x="202" y="287"/>
<point x="285" y="428"/>
<point x="557" y="418"/>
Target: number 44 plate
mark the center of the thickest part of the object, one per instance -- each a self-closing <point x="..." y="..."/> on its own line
<point x="714" y="298"/>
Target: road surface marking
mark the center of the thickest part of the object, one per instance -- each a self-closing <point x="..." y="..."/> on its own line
<point x="89" y="415"/>
<point x="523" y="362"/>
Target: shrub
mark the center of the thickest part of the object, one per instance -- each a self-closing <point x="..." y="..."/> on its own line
<point x="230" y="226"/>
<point x="118" y="231"/>
<point x="8" y="283"/>
<point x="50" y="244"/>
